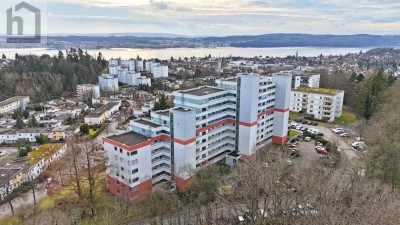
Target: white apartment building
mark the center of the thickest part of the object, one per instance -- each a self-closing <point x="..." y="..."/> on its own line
<point x="113" y="69"/>
<point x="319" y="102"/>
<point x="85" y="91"/>
<point x="306" y="80"/>
<point x="160" y="71"/>
<point x="132" y="78"/>
<point x="108" y="82"/>
<point x="139" y="65"/>
<point x="207" y="125"/>
<point x="14" y="103"/>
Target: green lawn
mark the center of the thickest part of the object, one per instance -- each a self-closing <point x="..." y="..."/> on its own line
<point x="347" y="118"/>
<point x="295" y="115"/>
<point x="293" y="133"/>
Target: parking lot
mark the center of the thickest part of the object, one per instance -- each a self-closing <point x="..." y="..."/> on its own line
<point x="7" y="152"/>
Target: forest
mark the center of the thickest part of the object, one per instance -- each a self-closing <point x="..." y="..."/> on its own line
<point x="45" y="77"/>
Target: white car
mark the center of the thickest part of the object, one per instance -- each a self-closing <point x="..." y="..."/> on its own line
<point x="344" y="135"/>
<point x="3" y="153"/>
<point x="299" y="127"/>
<point x="338" y="130"/>
<point x="313" y="130"/>
<point x="307" y="139"/>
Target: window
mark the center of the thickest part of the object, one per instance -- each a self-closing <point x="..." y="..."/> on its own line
<point x="120" y="150"/>
<point x="135" y="171"/>
<point x="122" y="168"/>
<point x="135" y="180"/>
<point x="134" y="153"/>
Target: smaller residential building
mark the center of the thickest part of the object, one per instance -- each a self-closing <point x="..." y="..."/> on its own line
<point x="10" y="178"/>
<point x="48" y="153"/>
<point x="320" y="102"/>
<point x="102" y="113"/>
<point x="108" y="82"/>
<point x="14" y="103"/>
<point x="85" y="91"/>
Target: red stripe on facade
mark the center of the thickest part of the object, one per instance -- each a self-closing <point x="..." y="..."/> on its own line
<point x="183" y="184"/>
<point x="248" y="124"/>
<point x="138" y="146"/>
<point x="215" y="125"/>
<point x="266" y="112"/>
<point x="279" y="140"/>
<point x="133" y="195"/>
<point x="184" y="142"/>
<point x="281" y="110"/>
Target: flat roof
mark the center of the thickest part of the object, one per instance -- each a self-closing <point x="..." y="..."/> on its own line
<point x="102" y="109"/>
<point x="182" y="109"/>
<point x="8" y="173"/>
<point x="163" y="113"/>
<point x="318" y="90"/>
<point x="12" y="100"/>
<point x="231" y="79"/>
<point x="129" y="139"/>
<point x="33" y="130"/>
<point x="148" y="123"/>
<point x="202" y="91"/>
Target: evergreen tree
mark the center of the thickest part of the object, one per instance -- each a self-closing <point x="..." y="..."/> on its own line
<point x="370" y="94"/>
<point x="33" y="122"/>
<point x="4" y="56"/>
<point x="353" y="77"/>
<point x="19" y="123"/>
<point x="60" y="55"/>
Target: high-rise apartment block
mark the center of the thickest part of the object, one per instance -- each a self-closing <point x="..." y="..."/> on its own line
<point x="207" y="125"/>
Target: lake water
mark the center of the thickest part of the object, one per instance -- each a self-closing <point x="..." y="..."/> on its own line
<point x="127" y="53"/>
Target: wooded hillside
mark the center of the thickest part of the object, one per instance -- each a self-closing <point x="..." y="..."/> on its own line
<point x="44" y="77"/>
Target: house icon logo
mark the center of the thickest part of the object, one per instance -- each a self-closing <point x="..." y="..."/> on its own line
<point x="20" y="38"/>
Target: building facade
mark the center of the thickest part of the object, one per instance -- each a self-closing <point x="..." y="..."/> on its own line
<point x="85" y="91"/>
<point x="207" y="124"/>
<point x="14" y="103"/>
<point x="323" y="104"/>
<point x="108" y="82"/>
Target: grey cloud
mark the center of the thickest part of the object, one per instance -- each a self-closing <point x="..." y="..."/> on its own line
<point x="159" y="5"/>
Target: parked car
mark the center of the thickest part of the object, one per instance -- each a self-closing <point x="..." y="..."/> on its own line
<point x="304" y="129"/>
<point x="304" y="122"/>
<point x="299" y="127"/>
<point x="322" y="151"/>
<point x="298" y="120"/>
<point x="3" y="153"/>
<point x="318" y="143"/>
<point x="344" y="135"/>
<point x="319" y="148"/>
<point x="315" y="124"/>
<point x="338" y="130"/>
<point x="307" y="139"/>
<point x="310" y="123"/>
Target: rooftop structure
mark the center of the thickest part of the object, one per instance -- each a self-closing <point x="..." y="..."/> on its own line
<point x="129" y="139"/>
<point x="202" y="91"/>
<point x="318" y="90"/>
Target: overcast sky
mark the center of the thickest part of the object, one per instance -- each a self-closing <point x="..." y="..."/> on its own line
<point x="224" y="17"/>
